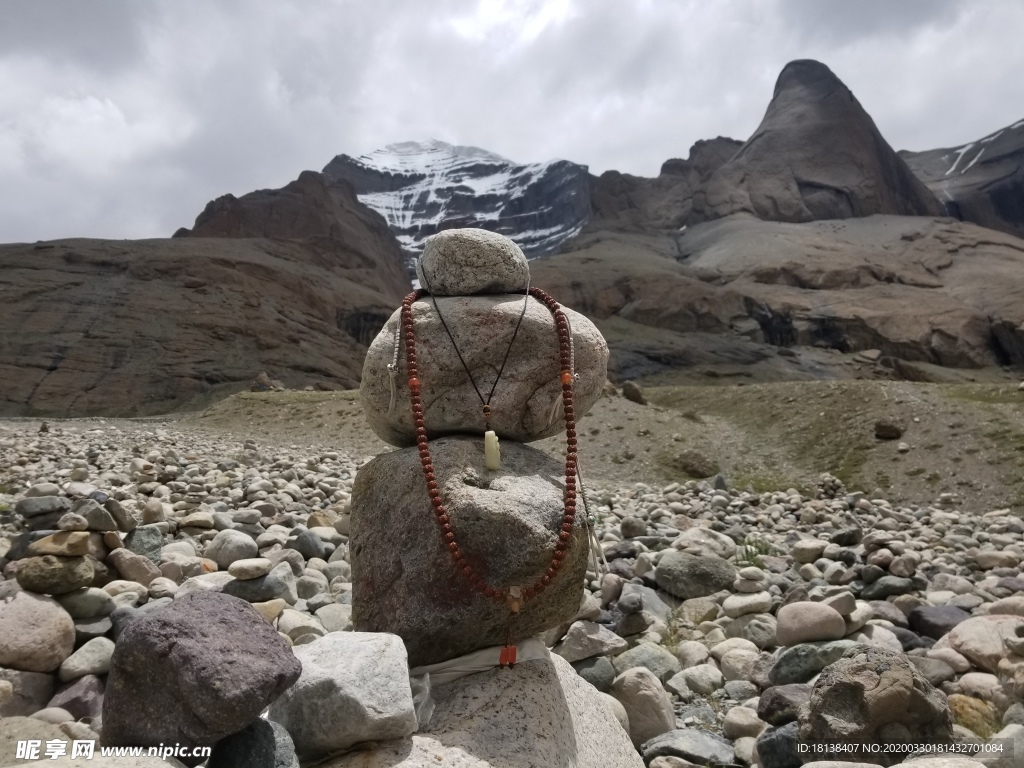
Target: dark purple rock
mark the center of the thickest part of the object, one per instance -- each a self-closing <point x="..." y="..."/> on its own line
<point x="936" y="620"/>
<point x="309" y="545"/>
<point x="621" y="568"/>
<point x="847" y="537"/>
<point x="82" y="697"/>
<point x="625" y="549"/>
<point x="886" y="586"/>
<point x="777" y="747"/>
<point x="195" y="671"/>
<point x="781" y="704"/>
<point x="911" y="640"/>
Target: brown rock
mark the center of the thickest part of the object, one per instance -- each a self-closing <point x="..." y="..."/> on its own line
<point x="888" y="429"/>
<point x="633" y="391"/>
<point x="66" y="544"/>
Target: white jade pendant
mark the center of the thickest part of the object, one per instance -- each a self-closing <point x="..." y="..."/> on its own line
<point x="492" y="451"/>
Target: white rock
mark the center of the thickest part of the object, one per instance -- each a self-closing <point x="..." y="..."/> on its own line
<point x="541" y="713"/>
<point x="93" y="658"/>
<point x="585" y="639"/>
<point x="804" y="622"/>
<point x="250" y="568"/>
<point x="647" y="704"/>
<point x="364" y="676"/>
<point x="740" y="722"/>
<point x="740" y="605"/>
<point x="465" y="262"/>
<point x="703" y="679"/>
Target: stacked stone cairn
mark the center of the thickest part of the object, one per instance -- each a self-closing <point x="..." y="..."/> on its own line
<point x="507" y="520"/>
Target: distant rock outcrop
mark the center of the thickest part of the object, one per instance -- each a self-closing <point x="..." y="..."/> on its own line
<point x="315" y="209"/>
<point x="816" y="155"/>
<point x="982" y="181"/>
<point x="631" y="203"/>
<point x="422" y="188"/>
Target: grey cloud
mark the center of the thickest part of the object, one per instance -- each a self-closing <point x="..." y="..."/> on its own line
<point x="201" y="99"/>
<point x="844" y="22"/>
<point x="105" y="35"/>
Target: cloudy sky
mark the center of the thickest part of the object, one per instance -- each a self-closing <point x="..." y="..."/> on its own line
<point x="122" y="118"/>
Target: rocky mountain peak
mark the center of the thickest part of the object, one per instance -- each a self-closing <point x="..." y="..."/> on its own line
<point x="424" y="187"/>
<point x="817" y="154"/>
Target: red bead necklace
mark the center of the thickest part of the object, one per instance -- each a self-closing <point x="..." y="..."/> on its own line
<point x="513" y="596"/>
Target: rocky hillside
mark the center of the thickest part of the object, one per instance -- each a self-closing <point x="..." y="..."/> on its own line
<point x="982" y="181"/>
<point x="294" y="281"/>
<point x="740" y="295"/>
<point x="424" y="187"/>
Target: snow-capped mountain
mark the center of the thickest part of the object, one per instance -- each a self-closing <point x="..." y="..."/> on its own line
<point x="982" y="181"/>
<point x="424" y="187"/>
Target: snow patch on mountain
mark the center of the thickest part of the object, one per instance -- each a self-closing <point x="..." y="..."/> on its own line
<point x="424" y="187"/>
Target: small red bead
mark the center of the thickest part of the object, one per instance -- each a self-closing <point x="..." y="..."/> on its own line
<point x="545" y="580"/>
<point x="442" y="518"/>
<point x="414" y="384"/>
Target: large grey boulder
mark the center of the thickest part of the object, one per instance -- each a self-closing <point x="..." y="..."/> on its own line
<point x="540" y="713"/>
<point x="688" y="576"/>
<point x="527" y="400"/>
<point x="874" y="696"/>
<point x="193" y="672"/>
<point x="36" y="634"/>
<point x="506" y="522"/>
<point x="463" y="262"/>
<point x="354" y="687"/>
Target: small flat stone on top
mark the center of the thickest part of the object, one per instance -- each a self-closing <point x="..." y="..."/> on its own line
<point x="464" y="262"/>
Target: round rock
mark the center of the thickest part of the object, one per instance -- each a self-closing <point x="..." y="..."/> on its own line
<point x="527" y="400"/>
<point x="804" y="622"/>
<point x="36" y="634"/>
<point x="53" y="575"/>
<point x="464" y="262"/>
<point x="229" y="546"/>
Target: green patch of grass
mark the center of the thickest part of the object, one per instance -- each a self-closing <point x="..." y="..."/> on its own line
<point x="289" y="397"/>
<point x="752" y="551"/>
<point x="765" y="481"/>
<point x="986" y="393"/>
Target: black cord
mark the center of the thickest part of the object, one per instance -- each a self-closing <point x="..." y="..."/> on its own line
<point x="462" y="360"/>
